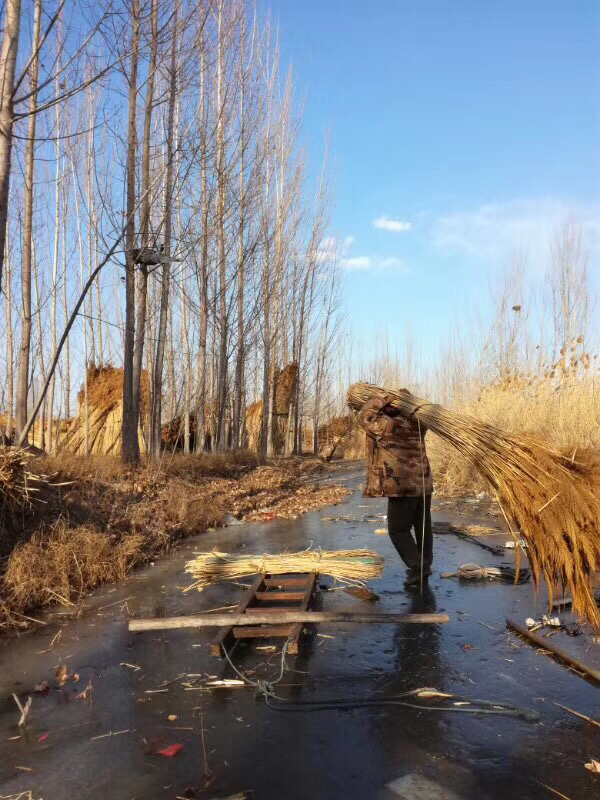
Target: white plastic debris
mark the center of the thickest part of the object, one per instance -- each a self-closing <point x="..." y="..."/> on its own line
<point x="512" y="544"/>
<point x="416" y="787"/>
<point x="553" y="622"/>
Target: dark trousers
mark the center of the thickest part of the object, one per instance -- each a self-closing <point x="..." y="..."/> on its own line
<point x="405" y="513"/>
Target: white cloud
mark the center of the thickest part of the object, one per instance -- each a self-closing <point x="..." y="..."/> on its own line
<point x="333" y="248"/>
<point x="357" y="262"/>
<point x="494" y="232"/>
<point x="385" y="223"/>
<point x="391" y="263"/>
<point x="375" y="262"/>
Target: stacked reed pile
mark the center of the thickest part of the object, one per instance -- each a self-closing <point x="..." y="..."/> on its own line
<point x="351" y="567"/>
<point x="104" y="412"/>
<point x="286" y="382"/>
<point x="550" y="499"/>
<point x="20" y="484"/>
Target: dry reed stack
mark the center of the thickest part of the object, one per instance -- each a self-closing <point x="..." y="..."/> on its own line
<point x="173" y="431"/>
<point x="341" y="437"/>
<point x="37" y="434"/>
<point x="20" y="485"/>
<point x="105" y="412"/>
<point x="351" y="567"/>
<point x="551" y="500"/>
<point x="286" y="381"/>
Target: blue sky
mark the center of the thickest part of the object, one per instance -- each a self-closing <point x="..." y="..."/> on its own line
<point x="473" y="125"/>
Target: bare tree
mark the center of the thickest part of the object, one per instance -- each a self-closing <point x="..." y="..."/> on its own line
<point x="23" y="375"/>
<point x="201" y="409"/>
<point x="67" y="379"/>
<point x="221" y="117"/>
<point x="8" y="60"/>
<point x="155" y="425"/>
<point x="50" y="433"/>
<point x="254" y="291"/>
<point x="142" y="273"/>
<point x="10" y="100"/>
<point x="238" y="404"/>
<point x="9" y="431"/>
<point x="568" y="279"/>
<point x="129" y="432"/>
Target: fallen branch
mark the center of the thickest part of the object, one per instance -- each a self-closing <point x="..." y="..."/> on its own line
<point x="280" y="617"/>
<point x="544" y="644"/>
<point x="24" y="709"/>
<point x="578" y="714"/>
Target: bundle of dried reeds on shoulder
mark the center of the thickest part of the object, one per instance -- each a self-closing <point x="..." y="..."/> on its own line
<point x="351" y="567"/>
<point x="549" y="499"/>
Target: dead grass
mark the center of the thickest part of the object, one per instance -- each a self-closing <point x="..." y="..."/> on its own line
<point x="21" y="483"/>
<point x="110" y="468"/>
<point x="62" y="563"/>
<point x="304" y="499"/>
<point x="103" y="519"/>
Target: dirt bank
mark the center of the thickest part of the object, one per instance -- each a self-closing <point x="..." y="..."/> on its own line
<point x="93" y="521"/>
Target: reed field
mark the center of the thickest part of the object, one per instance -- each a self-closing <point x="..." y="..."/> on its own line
<point x="558" y="403"/>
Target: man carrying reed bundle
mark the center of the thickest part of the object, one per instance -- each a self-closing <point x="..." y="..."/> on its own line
<point x="398" y="468"/>
<point x="548" y="498"/>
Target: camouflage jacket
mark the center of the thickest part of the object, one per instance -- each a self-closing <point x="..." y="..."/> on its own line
<point x="394" y="466"/>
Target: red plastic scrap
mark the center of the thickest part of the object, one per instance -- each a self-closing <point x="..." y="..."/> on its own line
<point x="170" y="751"/>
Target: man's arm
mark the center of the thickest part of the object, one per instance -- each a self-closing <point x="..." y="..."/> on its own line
<point x="372" y="417"/>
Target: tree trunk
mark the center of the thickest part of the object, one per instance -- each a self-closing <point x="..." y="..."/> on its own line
<point x="265" y="445"/>
<point x="188" y="376"/>
<point x="222" y="362"/>
<point x="212" y="393"/>
<point x="155" y="429"/>
<point x="173" y="403"/>
<point x="42" y="431"/>
<point x="23" y="376"/>
<point x="187" y="402"/>
<point x="8" y="59"/>
<point x="142" y="273"/>
<point x="201" y="409"/>
<point x="9" y="351"/>
<point x="50" y="434"/>
<point x="85" y="327"/>
<point x="130" y="451"/>
<point x="288" y="445"/>
<point x="238" y="403"/>
<point x="265" y="439"/>
<point x="67" y="386"/>
<point x="300" y="353"/>
<point x="90" y="226"/>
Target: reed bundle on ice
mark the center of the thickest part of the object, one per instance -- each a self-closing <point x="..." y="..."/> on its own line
<point x="352" y="567"/>
<point x="551" y="500"/>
